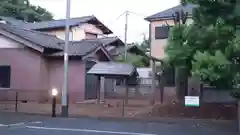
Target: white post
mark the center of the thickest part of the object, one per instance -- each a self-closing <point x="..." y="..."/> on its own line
<point x="64" y="111"/>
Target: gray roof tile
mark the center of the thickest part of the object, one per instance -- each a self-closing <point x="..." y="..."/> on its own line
<point x="53" y="24"/>
<point x="12" y="21"/>
<point x="79" y="48"/>
<point x="56" y="23"/>
<point x="107" y="40"/>
<point x="112" y="69"/>
<point x="167" y="14"/>
<point x="39" y="38"/>
<point x="83" y="47"/>
<point x="76" y="48"/>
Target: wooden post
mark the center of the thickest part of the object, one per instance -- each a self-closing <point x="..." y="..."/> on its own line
<point x="123" y="104"/>
<point x="238" y="115"/>
<point x="125" y="98"/>
<point x="102" y="89"/>
<point x="127" y="91"/>
<point x="161" y="84"/>
<point x="16" y="102"/>
<point x="98" y="89"/>
<point x="152" y="101"/>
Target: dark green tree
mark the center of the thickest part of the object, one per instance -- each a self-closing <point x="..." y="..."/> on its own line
<point x="216" y="19"/>
<point x="137" y="60"/>
<point x="178" y="52"/>
<point x="145" y="44"/>
<point x="198" y="47"/>
<point x="23" y="10"/>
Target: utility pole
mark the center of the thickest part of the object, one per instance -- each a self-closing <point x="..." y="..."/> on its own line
<point x="64" y="109"/>
<point x="125" y="35"/>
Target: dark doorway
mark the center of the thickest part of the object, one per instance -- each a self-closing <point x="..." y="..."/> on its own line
<point x="91" y="82"/>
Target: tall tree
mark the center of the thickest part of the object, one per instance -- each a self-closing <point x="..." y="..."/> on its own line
<point x="216" y="19"/>
<point x="23" y="10"/>
<point x="178" y="53"/>
<point x="209" y="55"/>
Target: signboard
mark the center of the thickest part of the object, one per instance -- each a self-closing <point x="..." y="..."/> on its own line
<point x="192" y="101"/>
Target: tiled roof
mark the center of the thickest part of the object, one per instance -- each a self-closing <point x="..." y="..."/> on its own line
<point x="167" y="14"/>
<point x="112" y="68"/>
<point x="76" y="48"/>
<point x="83" y="47"/>
<point x="107" y="40"/>
<point x="62" y="22"/>
<point x="56" y="23"/>
<point x="79" y="48"/>
<point x="12" y="21"/>
<point x="39" y="38"/>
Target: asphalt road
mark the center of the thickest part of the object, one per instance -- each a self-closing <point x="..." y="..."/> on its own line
<point x="11" y="124"/>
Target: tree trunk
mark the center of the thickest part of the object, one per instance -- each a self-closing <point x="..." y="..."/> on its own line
<point x="181" y="81"/>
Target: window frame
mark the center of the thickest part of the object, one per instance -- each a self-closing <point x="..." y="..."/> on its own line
<point x="156" y="37"/>
<point x="92" y="34"/>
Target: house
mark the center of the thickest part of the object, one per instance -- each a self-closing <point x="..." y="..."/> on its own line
<point x="158" y="28"/>
<point x="86" y="27"/>
<point x="31" y="61"/>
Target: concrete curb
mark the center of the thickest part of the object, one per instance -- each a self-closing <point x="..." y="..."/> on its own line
<point x="166" y="120"/>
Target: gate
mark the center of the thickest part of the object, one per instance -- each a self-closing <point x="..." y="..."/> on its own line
<point x="91" y="82"/>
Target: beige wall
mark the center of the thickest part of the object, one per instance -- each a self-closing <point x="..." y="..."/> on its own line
<point x="157" y="46"/>
<point x="77" y="33"/>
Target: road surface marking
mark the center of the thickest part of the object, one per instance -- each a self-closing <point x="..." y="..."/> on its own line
<point x="36" y="122"/>
<point x="16" y="124"/>
<point x="87" y="130"/>
<point x="2" y="125"/>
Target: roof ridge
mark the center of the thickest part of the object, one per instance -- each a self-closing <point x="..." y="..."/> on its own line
<point x="167" y="13"/>
<point x="61" y="19"/>
<point x="100" y="38"/>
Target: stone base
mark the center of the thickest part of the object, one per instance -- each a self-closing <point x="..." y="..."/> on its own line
<point x="64" y="111"/>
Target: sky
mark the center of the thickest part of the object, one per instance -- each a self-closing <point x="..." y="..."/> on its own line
<point x="108" y="11"/>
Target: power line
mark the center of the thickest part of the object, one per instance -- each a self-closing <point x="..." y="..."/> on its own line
<point x="121" y="15"/>
<point x="137" y="14"/>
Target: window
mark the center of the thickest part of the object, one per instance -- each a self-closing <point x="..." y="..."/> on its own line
<point x="90" y="35"/>
<point x="5" y="74"/>
<point x="161" y="32"/>
<point x="71" y="36"/>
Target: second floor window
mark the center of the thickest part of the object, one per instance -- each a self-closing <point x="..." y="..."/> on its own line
<point x="90" y="35"/>
<point x="161" y="32"/>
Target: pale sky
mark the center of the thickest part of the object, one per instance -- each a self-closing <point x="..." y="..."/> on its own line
<point x="108" y="11"/>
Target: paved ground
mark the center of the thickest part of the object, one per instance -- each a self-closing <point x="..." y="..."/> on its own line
<point x="11" y="124"/>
